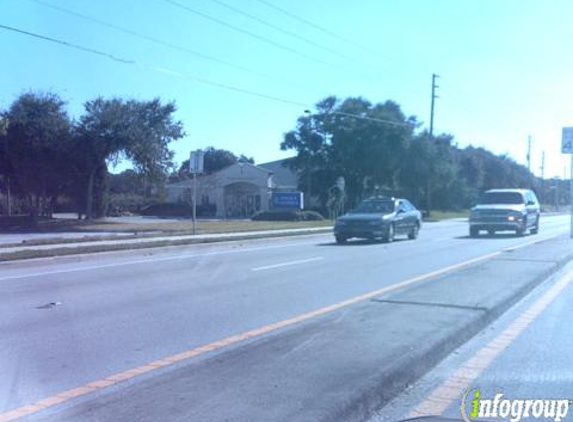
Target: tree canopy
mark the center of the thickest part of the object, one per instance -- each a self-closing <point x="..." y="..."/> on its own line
<point x="45" y="154"/>
<point x="215" y="159"/>
<point x="377" y="149"/>
<point x="139" y="131"/>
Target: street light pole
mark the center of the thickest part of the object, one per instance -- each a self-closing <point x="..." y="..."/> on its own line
<point x="194" y="201"/>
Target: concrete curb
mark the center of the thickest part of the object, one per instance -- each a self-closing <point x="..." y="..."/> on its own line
<point x="66" y="249"/>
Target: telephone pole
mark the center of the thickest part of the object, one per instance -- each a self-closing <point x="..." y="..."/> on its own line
<point x="543" y="165"/>
<point x="529" y="153"/>
<point x="434" y="96"/>
<point x="430" y="137"/>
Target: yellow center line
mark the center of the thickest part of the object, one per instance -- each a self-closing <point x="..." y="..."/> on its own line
<point x="451" y="390"/>
<point x="226" y="342"/>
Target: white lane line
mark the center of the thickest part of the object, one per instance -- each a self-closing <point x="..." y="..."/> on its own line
<point x="151" y="260"/>
<point x="284" y="264"/>
<point x="189" y="256"/>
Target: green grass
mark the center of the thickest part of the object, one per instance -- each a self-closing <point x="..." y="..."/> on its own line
<point x="445" y="215"/>
<point x="62" y="250"/>
<point x="152" y="229"/>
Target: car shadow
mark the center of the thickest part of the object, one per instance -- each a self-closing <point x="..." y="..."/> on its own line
<point x="490" y="236"/>
<point x="359" y="242"/>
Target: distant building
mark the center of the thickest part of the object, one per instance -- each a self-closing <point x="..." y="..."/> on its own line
<point x="237" y="191"/>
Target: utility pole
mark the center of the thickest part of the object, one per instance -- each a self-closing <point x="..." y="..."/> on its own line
<point x="529" y="153"/>
<point x="308" y="162"/>
<point x="431" y="135"/>
<point x="542" y="168"/>
<point x="3" y="134"/>
<point x="434" y="96"/>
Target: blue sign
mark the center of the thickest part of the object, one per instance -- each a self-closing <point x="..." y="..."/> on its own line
<point x="286" y="200"/>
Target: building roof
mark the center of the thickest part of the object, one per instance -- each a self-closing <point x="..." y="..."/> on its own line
<point x="283" y="176"/>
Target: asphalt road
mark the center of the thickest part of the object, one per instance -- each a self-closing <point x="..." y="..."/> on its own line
<point x="534" y="362"/>
<point x="113" y="312"/>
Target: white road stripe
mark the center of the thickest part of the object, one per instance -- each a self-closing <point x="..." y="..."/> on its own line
<point x="149" y="260"/>
<point x="284" y="264"/>
<point x="189" y="256"/>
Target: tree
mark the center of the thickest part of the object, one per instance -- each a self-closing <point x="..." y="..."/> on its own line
<point x="215" y="159"/>
<point x="115" y="129"/>
<point x="361" y="141"/>
<point x="428" y="172"/>
<point x="37" y="147"/>
<point x="6" y="171"/>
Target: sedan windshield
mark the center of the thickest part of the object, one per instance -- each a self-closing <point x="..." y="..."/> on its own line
<point x="375" y="207"/>
<point x="502" y="198"/>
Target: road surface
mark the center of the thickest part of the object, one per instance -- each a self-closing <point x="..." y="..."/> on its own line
<point x="69" y="321"/>
<point x="524" y="355"/>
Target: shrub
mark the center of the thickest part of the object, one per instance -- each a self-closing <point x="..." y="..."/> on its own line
<point x="125" y="203"/>
<point x="312" y="216"/>
<point x="287" y="216"/>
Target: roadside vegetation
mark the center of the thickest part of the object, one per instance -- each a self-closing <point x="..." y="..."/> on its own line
<point x="51" y="162"/>
<point x="386" y="153"/>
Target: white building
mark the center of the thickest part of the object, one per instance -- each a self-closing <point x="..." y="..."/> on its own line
<point x="239" y="190"/>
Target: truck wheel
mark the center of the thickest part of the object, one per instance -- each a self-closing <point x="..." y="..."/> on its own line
<point x="474" y="232"/>
<point x="340" y="239"/>
<point x="521" y="231"/>
<point x="535" y="230"/>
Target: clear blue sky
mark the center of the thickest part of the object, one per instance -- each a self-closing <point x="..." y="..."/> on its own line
<point x="505" y="65"/>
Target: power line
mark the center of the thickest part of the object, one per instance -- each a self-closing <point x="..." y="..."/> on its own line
<point x="373" y="119"/>
<point x="312" y="24"/>
<point x="165" y="43"/>
<point x="183" y="49"/>
<point x="278" y="28"/>
<point x="152" y="39"/>
<point x="152" y="67"/>
<point x="247" y="32"/>
<point x="68" y="44"/>
<point x="205" y="81"/>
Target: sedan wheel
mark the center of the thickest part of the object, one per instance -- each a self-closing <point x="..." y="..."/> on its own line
<point x="414" y="232"/>
<point x="390" y="235"/>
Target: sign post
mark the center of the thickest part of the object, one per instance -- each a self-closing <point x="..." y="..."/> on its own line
<point x="195" y="167"/>
<point x="567" y="148"/>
